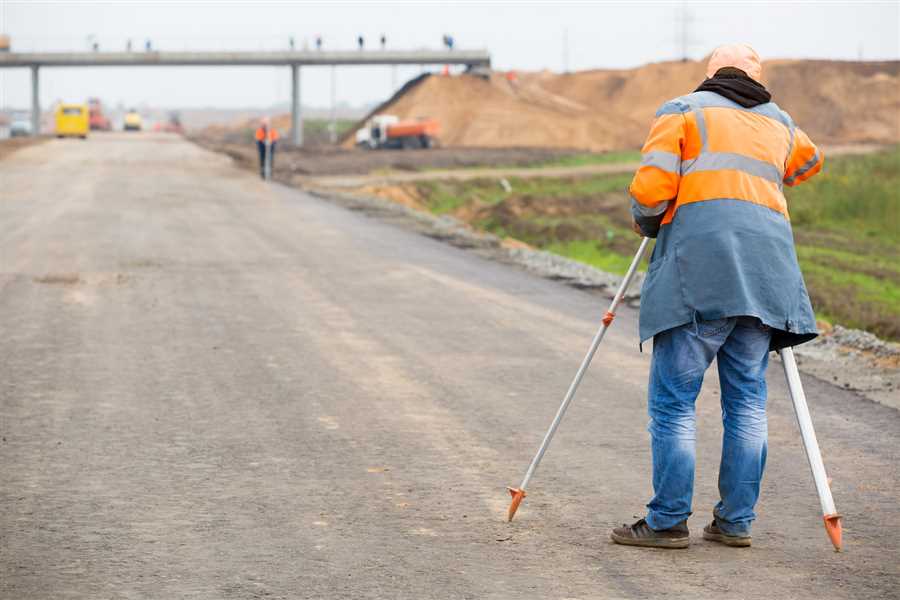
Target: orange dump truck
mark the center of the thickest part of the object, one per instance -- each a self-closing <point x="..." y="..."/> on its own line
<point x="387" y="131"/>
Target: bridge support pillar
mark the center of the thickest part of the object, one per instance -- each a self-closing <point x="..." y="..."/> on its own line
<point x="35" y="102"/>
<point x="296" y="116"/>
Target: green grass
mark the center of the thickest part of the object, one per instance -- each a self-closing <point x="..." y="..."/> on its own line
<point x="572" y="160"/>
<point x="855" y="194"/>
<point x="604" y="158"/>
<point x="551" y="187"/>
<point x="846" y="224"/>
<point x="446" y="196"/>
<point x="593" y="253"/>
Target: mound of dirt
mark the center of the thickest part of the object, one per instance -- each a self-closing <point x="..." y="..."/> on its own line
<point x="836" y="102"/>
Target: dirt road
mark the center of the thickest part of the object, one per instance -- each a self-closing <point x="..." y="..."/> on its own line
<point x="215" y="388"/>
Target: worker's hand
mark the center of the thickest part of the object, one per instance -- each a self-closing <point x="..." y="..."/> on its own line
<point x="637" y="229"/>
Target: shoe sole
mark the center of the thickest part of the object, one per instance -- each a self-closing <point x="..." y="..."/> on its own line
<point x="728" y="540"/>
<point x="673" y="544"/>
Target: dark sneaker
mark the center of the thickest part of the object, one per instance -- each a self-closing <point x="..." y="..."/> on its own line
<point x="712" y="533"/>
<point x="640" y="534"/>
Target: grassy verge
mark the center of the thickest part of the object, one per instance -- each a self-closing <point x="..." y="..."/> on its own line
<point x="846" y="222"/>
<point x="584" y="159"/>
<point x="605" y="158"/>
<point x="847" y="226"/>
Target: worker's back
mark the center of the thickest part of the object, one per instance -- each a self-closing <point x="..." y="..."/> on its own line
<point x="725" y="245"/>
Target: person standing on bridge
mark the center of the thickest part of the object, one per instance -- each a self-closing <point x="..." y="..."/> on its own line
<point x="723" y="283"/>
<point x="266" y="138"/>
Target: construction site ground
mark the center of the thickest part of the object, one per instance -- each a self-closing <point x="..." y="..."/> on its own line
<point x="328" y="161"/>
<point x="215" y="387"/>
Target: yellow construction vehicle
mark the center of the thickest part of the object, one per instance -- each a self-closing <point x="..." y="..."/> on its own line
<point x="73" y="120"/>
<point x="133" y="121"/>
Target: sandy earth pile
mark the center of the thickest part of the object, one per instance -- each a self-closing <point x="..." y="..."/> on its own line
<point x="836" y="102"/>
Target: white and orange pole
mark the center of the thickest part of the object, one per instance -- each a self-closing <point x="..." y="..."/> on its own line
<point x="811" y="445"/>
<point x="267" y="165"/>
<point x="518" y="494"/>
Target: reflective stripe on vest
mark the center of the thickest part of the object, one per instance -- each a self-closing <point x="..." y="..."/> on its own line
<point x="722" y="169"/>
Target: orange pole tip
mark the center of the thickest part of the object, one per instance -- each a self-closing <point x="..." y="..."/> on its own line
<point x="517" y="497"/>
<point x="833" y="529"/>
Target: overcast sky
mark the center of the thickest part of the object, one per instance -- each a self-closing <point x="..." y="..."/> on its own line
<point x="519" y="35"/>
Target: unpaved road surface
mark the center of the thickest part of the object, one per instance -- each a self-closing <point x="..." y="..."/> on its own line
<point x="216" y="388"/>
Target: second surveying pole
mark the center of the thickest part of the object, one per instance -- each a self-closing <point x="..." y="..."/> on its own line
<point x="811" y="445"/>
<point x="267" y="163"/>
<point x="518" y="494"/>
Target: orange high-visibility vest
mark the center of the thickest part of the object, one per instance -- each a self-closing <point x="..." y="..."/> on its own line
<point x="710" y="180"/>
<point x="261" y="135"/>
<point x="705" y="147"/>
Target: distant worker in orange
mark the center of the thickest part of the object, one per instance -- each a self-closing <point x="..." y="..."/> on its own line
<point x="266" y="133"/>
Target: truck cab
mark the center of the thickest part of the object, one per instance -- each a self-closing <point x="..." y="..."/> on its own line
<point x="374" y="133"/>
<point x="387" y="131"/>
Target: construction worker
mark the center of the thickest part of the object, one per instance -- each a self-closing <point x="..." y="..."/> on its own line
<point x="265" y="132"/>
<point x="723" y="283"/>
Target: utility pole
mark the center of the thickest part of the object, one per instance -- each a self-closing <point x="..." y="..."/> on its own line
<point x="333" y="126"/>
<point x="565" y="49"/>
<point x="35" y="102"/>
<point x="296" y="107"/>
<point x="683" y="38"/>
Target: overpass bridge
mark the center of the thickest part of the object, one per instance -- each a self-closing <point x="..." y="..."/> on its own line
<point x="293" y="59"/>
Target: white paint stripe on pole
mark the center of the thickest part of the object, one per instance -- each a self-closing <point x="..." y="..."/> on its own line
<point x="570" y="394"/>
<point x="810" y="443"/>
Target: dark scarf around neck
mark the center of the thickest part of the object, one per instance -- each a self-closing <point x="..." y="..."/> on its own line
<point x="737" y="88"/>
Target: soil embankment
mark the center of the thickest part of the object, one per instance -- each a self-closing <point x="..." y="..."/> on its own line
<point x="836" y="102"/>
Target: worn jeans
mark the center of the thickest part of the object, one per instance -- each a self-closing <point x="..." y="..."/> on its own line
<point x="261" y="148"/>
<point x="680" y="359"/>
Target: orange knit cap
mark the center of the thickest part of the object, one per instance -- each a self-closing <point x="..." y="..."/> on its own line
<point x="739" y="56"/>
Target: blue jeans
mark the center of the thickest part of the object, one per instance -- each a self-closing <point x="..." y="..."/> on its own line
<point x="680" y="359"/>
